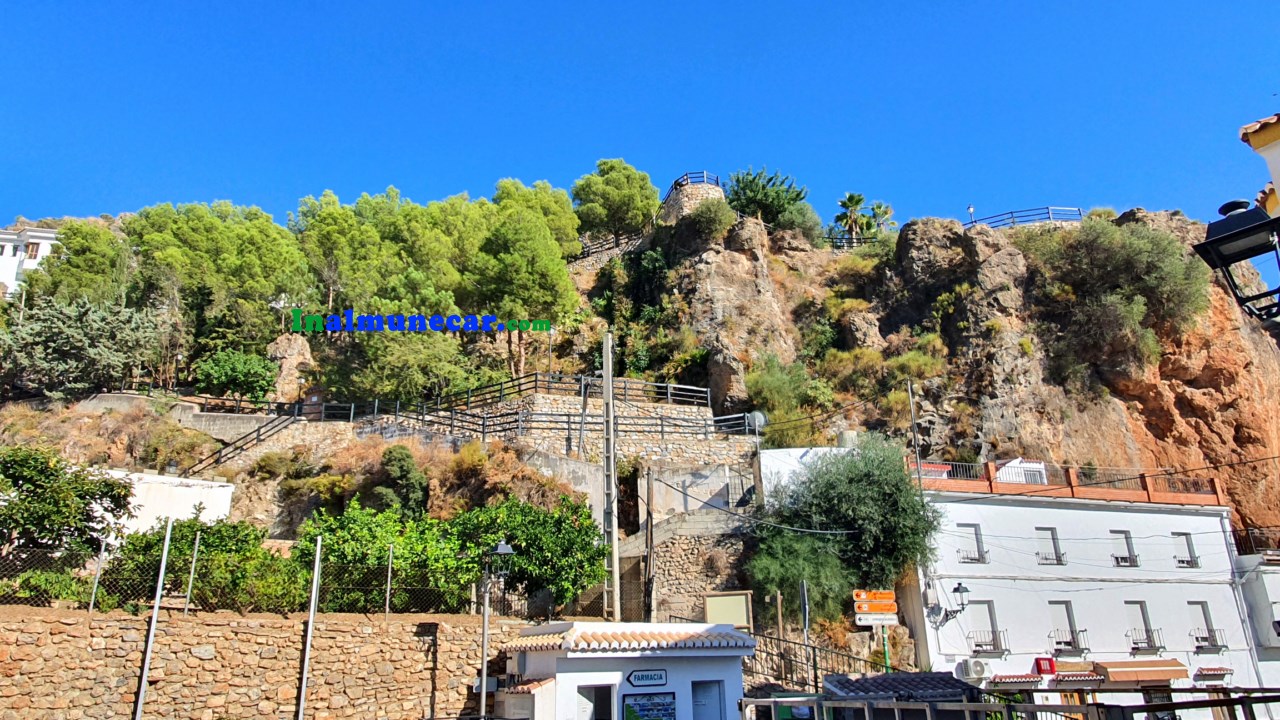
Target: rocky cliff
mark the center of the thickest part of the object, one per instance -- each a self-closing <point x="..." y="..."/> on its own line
<point x="1211" y="398"/>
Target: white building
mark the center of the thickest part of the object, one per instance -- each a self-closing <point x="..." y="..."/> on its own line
<point x="1259" y="576"/>
<point x="22" y="250"/>
<point x="1122" y="589"/>
<point x="156" y="497"/>
<point x="624" y="671"/>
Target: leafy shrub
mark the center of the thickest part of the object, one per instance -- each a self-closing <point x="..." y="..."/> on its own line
<point x="818" y="394"/>
<point x="817" y="337"/>
<point x="855" y="268"/>
<point x="234" y="373"/>
<point x="783" y="560"/>
<point x="839" y="309"/>
<point x="711" y="219"/>
<point x="915" y="365"/>
<point x="1108" y="292"/>
<point x="857" y="370"/>
<point x="801" y="216"/>
<point x="765" y="196"/>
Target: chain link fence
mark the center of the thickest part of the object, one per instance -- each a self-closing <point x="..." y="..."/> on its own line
<point x="209" y="579"/>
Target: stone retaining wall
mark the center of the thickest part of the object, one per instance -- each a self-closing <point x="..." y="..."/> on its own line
<point x="62" y="664"/>
<point x="684" y="199"/>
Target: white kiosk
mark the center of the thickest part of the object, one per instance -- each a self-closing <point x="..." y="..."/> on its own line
<point x="624" y="671"/>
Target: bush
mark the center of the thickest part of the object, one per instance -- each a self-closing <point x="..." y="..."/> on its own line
<point x="711" y="219"/>
<point x="1107" y="293"/>
<point x="801" y="216"/>
<point x="768" y="197"/>
<point x="783" y="560"/>
<point x="915" y="365"/>
<point x="857" y="370"/>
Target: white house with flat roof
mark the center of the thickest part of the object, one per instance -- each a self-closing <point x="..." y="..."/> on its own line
<point x="624" y="671"/>
<point x="23" y="250"/>
<point x="1077" y="592"/>
<point x="156" y="497"/>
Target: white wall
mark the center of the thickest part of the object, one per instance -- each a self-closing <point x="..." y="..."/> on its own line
<point x="1261" y="587"/>
<point x="778" y="467"/>
<point x="1271" y="153"/>
<point x="11" y="264"/>
<point x="581" y="669"/>
<point x="1020" y="587"/>
<point x="160" y="496"/>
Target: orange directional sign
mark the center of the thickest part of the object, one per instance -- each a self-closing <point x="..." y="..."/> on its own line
<point x="874" y="595"/>
<point x="875" y="607"/>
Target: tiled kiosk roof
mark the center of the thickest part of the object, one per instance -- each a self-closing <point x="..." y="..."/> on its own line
<point x="615" y="637"/>
<point x="902" y="686"/>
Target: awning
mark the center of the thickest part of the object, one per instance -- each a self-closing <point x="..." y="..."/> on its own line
<point x="1153" y="670"/>
<point x="1012" y="679"/>
<point x="1075" y="677"/>
<point x="1213" y="671"/>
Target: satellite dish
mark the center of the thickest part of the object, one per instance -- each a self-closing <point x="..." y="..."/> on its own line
<point x="756" y="420"/>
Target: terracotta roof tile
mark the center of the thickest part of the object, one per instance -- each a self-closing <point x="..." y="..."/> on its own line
<point x="1214" y="671"/>
<point x="644" y="637"/>
<point x="1257" y="125"/>
<point x="529" y="686"/>
<point x="1027" y="678"/>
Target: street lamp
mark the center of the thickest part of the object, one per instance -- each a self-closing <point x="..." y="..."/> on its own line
<point x="970" y="213"/>
<point x="961" y="594"/>
<point x="551" y="341"/>
<point x="1241" y="235"/>
<point x="495" y="563"/>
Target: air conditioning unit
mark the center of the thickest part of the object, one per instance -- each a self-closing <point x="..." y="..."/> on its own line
<point x="973" y="668"/>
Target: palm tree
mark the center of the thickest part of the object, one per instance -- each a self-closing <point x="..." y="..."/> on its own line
<point x="851" y="206"/>
<point x="882" y="213"/>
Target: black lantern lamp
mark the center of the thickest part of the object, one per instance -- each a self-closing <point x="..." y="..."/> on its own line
<point x="1241" y="235"/>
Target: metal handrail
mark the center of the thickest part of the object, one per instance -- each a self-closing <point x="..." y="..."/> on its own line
<point x="693" y="178"/>
<point x="1030" y="216"/>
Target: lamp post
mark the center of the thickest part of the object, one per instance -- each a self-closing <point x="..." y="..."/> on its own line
<point x="177" y="366"/>
<point x="1239" y="236"/>
<point x="551" y="341"/>
<point x="961" y="594"/>
<point x="970" y="213"/>
<point x="495" y="561"/>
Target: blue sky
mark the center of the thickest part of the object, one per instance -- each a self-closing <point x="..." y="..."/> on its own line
<point x="110" y="107"/>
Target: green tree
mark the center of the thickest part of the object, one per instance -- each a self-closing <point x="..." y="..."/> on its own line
<point x="68" y="350"/>
<point x="409" y="489"/>
<point x="616" y="199"/>
<point x="801" y="216"/>
<point x="866" y="495"/>
<point x="784" y="559"/>
<point x="559" y="550"/>
<point x="48" y="503"/>
<point x="851" y="219"/>
<point x="88" y="262"/>
<point x="762" y="195"/>
<point x="240" y="375"/>
<point x="554" y="205"/>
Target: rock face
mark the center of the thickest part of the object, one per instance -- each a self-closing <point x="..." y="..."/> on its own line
<point x="292" y="352"/>
<point x="1213" y="398"/>
<point x="736" y="310"/>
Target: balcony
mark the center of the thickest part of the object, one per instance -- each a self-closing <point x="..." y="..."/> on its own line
<point x="1051" y="558"/>
<point x="1068" y="642"/>
<point x="988" y="642"/>
<point x="1145" y="640"/>
<point x="1187" y="561"/>
<point x="973" y="556"/>
<point x="1208" y="639"/>
<point x="1130" y="560"/>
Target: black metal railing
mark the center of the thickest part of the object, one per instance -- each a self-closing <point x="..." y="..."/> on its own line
<point x="1129" y="560"/>
<point x="1031" y="216"/>
<point x="1208" y="638"/>
<point x="1145" y="639"/>
<point x="624" y="389"/>
<point x="693" y="178"/>
<point x="240" y="444"/>
<point x="1051" y="558"/>
<point x="1187" y="561"/>
<point x="1252" y="541"/>
<point x="973" y="556"/>
<point x="1069" y="642"/>
<point x="988" y="642"/>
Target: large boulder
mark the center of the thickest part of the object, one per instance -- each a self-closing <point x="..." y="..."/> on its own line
<point x="293" y="354"/>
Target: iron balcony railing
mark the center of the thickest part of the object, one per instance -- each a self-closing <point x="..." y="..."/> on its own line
<point x="1069" y="642"/>
<point x="1145" y="639"/>
<point x="1208" y="638"/>
<point x="973" y="556"/>
<point x="1129" y="560"/>
<point x="988" y="642"/>
<point x="1187" y="561"/>
<point x="1051" y="558"/>
<point x="693" y="178"/>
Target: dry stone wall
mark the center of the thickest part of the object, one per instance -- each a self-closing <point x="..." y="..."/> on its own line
<point x="685" y="198"/>
<point x="66" y="665"/>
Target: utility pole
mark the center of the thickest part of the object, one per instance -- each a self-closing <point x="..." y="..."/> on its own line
<point x="613" y="589"/>
<point x="915" y="436"/>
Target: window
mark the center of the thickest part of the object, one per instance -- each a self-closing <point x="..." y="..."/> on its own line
<point x="971" y="550"/>
<point x="1122" y="544"/>
<point x="1204" y="636"/>
<point x="17" y="250"/>
<point x="1159" y="696"/>
<point x="33" y="251"/>
<point x="1142" y="637"/>
<point x="1047" y="550"/>
<point x="1066" y="638"/>
<point x="986" y="637"/>
<point x="1186" y="557"/>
